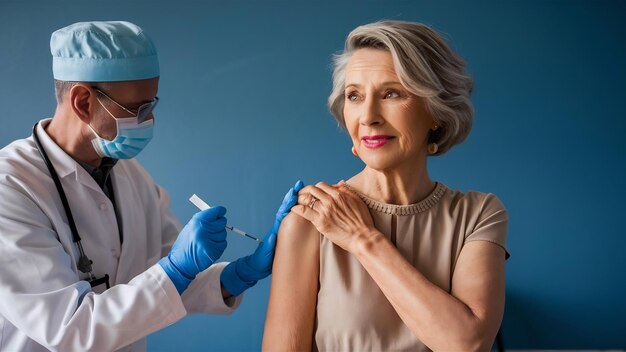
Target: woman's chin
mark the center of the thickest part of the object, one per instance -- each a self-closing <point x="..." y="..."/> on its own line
<point x="380" y="163"/>
<point x="391" y="162"/>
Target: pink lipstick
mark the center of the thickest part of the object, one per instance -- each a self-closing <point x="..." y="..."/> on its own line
<point x="375" y="141"/>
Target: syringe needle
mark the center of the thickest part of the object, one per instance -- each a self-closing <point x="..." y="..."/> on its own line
<point x="243" y="233"/>
<point x="202" y="205"/>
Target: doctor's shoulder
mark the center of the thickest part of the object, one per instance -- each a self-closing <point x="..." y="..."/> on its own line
<point x="21" y="164"/>
<point x="25" y="185"/>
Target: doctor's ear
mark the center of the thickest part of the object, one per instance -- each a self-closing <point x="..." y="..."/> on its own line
<point x="81" y="99"/>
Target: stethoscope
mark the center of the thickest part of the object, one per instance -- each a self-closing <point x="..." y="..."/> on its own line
<point x="84" y="263"/>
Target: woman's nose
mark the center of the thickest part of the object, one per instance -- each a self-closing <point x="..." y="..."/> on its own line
<point x="370" y="113"/>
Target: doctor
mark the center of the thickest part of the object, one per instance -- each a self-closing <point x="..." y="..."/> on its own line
<point x="91" y="258"/>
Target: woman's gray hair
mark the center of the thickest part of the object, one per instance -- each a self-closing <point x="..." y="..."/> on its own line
<point x="425" y="65"/>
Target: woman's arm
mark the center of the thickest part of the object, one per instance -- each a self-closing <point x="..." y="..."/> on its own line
<point x="293" y="295"/>
<point x="466" y="319"/>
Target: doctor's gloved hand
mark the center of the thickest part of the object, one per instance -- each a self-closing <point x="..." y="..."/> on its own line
<point x="201" y="242"/>
<point x="244" y="273"/>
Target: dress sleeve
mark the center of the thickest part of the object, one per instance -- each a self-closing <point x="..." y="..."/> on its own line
<point x="492" y="223"/>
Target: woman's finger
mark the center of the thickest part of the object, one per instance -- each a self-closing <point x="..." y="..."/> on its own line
<point x="310" y="201"/>
<point x="330" y="190"/>
<point x="307" y="192"/>
<point x="305" y="212"/>
<point x="303" y="198"/>
<point x="319" y="194"/>
<point x="306" y="189"/>
<point x="343" y="188"/>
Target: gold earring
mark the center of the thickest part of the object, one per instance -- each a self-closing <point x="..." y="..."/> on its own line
<point x="433" y="148"/>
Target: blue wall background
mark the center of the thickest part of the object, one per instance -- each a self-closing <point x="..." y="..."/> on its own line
<point x="243" y="115"/>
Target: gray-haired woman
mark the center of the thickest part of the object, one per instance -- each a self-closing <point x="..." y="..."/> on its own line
<point x="390" y="260"/>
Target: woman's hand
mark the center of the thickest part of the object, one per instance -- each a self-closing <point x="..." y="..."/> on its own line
<point x="337" y="213"/>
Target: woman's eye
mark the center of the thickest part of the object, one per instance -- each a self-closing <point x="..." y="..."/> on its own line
<point x="391" y="94"/>
<point x="352" y="96"/>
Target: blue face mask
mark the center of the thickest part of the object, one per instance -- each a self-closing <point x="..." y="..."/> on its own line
<point x="133" y="133"/>
<point x="131" y="138"/>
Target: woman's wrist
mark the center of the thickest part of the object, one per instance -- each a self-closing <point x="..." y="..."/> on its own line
<point x="366" y="240"/>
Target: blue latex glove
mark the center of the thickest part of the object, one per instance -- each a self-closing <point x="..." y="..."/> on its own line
<point x="244" y="273"/>
<point x="201" y="242"/>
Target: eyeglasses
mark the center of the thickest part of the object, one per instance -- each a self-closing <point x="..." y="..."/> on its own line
<point x="143" y="111"/>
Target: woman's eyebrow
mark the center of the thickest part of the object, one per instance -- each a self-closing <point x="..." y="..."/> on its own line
<point x="386" y="83"/>
<point x="355" y="85"/>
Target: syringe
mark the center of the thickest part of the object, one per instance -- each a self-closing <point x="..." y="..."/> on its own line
<point x="202" y="205"/>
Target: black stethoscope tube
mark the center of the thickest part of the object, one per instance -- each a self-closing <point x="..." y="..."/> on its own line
<point x="84" y="263"/>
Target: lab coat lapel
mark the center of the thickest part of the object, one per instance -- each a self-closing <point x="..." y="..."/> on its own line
<point x="85" y="179"/>
<point x="130" y="210"/>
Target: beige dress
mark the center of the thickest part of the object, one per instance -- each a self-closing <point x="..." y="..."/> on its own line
<point x="352" y="312"/>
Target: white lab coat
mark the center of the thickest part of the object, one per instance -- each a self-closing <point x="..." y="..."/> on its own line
<point x="43" y="302"/>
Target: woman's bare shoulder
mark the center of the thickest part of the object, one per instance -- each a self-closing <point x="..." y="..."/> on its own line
<point x="296" y="231"/>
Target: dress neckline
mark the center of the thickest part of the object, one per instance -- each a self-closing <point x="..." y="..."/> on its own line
<point x="431" y="200"/>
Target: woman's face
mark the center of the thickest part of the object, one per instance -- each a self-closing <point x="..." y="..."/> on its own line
<point x="388" y="125"/>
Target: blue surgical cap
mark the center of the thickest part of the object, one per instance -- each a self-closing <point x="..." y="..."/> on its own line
<point x="103" y="52"/>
